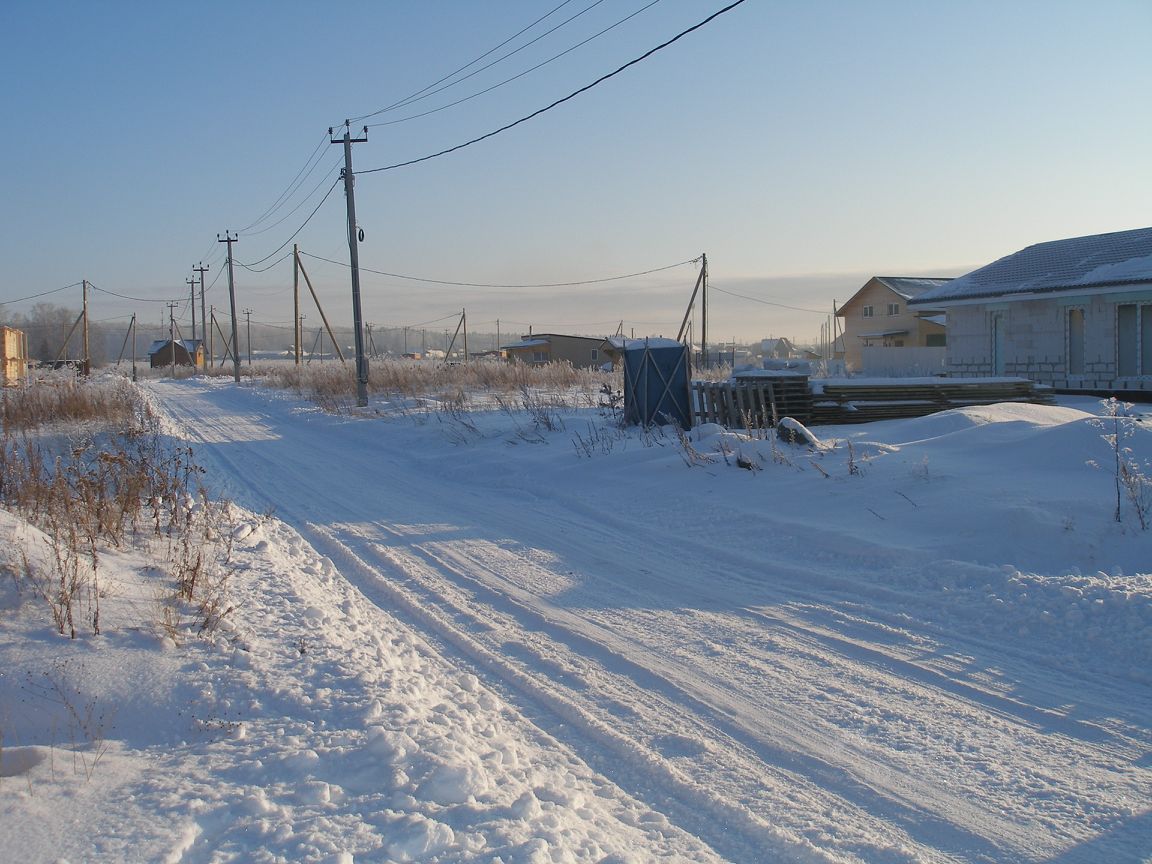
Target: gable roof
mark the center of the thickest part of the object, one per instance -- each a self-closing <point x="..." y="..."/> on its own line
<point x="905" y="287"/>
<point x="909" y="287"/>
<point x="1096" y="261"/>
<point x="189" y="345"/>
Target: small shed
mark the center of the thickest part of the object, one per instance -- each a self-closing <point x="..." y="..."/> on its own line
<point x="13" y="354"/>
<point x="188" y="352"/>
<point x="656" y="383"/>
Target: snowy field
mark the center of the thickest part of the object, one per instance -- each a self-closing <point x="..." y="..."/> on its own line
<point x="518" y="637"/>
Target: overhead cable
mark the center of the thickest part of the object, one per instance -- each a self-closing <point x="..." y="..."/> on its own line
<point x="712" y="287"/>
<point x="410" y="98"/>
<point x="491" y="285"/>
<point x="300" y="176"/>
<point x="514" y="77"/>
<point x="572" y="95"/>
<point x="251" y="264"/>
<point x="135" y="299"/>
<point x="42" y="293"/>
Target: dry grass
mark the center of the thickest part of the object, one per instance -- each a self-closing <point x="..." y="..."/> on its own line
<point x="61" y="397"/>
<point x="117" y="484"/>
<point x="333" y="385"/>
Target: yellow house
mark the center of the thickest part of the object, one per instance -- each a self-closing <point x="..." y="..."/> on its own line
<point x="13" y="354"/>
<point x="878" y="315"/>
<point x="583" y="352"/>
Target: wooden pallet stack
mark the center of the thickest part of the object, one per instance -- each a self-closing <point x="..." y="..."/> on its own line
<point x="752" y="402"/>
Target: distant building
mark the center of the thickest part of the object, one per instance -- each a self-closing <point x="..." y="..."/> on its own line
<point x="776" y="349"/>
<point x="188" y="352"/>
<point x="583" y="352"/>
<point x="13" y="354"/>
<point x="878" y="316"/>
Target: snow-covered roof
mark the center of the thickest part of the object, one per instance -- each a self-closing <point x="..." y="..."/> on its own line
<point x="524" y="343"/>
<point x="909" y="286"/>
<point x="189" y="345"/>
<point x="1096" y="261"/>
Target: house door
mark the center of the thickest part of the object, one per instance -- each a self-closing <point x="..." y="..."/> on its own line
<point x="1126" y="341"/>
<point x="998" y="343"/>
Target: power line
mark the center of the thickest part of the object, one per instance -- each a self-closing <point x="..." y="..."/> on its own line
<point x="712" y="285"/>
<point x="412" y="97"/>
<point x="291" y="186"/>
<point x="572" y="95"/>
<point x="505" y="57"/>
<point x="302" y="202"/>
<point x="41" y="294"/>
<point x="126" y="297"/>
<point x="488" y="285"/>
<point x="514" y="77"/>
<point x="283" y="257"/>
<point x="251" y="264"/>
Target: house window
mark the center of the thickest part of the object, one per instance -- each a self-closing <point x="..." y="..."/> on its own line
<point x="899" y="343"/>
<point x="1075" y="341"/>
<point x="935" y="340"/>
<point x="595" y="355"/>
<point x="893" y="308"/>
<point x="868" y="311"/>
<point x="539" y="356"/>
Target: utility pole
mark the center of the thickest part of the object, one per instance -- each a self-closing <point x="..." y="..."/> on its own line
<point x="349" y="194"/>
<point x="704" y="308"/>
<point x="248" y="316"/>
<point x="192" y="287"/>
<point x="296" y="300"/>
<point x="203" y="318"/>
<point x="87" y="365"/>
<point x="172" y="334"/>
<point x="210" y="359"/>
<point x="229" y="239"/>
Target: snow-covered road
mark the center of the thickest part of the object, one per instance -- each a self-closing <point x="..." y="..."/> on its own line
<point x="765" y="658"/>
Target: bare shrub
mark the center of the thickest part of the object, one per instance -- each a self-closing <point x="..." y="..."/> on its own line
<point x="111" y="486"/>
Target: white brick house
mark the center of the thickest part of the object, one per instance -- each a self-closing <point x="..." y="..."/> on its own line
<point x="1075" y="314"/>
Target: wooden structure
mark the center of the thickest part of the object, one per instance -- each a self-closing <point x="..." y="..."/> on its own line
<point x="13" y="355"/>
<point x="189" y="352"/>
<point x="763" y="400"/>
<point x="755" y="402"/>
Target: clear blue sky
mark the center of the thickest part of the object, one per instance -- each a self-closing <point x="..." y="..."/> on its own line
<point x="803" y="146"/>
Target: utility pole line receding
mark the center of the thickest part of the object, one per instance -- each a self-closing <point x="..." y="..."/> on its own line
<point x="349" y="194"/>
<point x="248" y="316"/>
<point x="229" y="239"/>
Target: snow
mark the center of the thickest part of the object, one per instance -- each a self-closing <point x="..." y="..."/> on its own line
<point x="471" y="638"/>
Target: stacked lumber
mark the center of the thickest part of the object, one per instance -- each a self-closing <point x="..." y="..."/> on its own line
<point x="864" y="400"/>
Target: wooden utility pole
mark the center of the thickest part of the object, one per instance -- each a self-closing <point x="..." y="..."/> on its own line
<point x="350" y="196"/>
<point x="210" y="357"/>
<point x="704" y="308"/>
<point x="172" y="334"/>
<point x="229" y="239"/>
<point x="203" y="318"/>
<point x="248" y="316"/>
<point x="296" y="301"/>
<point x="320" y="309"/>
<point x="192" y="288"/>
<point x="87" y="367"/>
